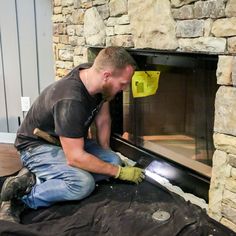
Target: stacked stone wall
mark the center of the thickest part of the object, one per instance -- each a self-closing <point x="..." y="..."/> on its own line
<point x="196" y="26"/>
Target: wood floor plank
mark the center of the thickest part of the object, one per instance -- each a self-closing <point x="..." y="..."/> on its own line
<point x="9" y="159"/>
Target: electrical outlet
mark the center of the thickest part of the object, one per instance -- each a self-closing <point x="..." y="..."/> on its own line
<point x="25" y="103"/>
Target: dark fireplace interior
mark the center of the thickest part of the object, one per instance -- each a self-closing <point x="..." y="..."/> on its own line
<point x="177" y="122"/>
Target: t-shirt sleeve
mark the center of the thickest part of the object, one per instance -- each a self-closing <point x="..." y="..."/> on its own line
<point x="69" y="118"/>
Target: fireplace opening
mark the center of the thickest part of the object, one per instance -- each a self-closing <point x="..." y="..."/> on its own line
<point x="176" y="122"/>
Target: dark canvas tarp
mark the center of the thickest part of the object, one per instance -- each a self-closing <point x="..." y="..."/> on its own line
<point x="118" y="209"/>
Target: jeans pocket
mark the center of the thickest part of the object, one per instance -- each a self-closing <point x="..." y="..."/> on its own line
<point x="24" y="156"/>
<point x="27" y="154"/>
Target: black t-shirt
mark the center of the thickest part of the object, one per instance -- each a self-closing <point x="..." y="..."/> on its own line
<point x="64" y="108"/>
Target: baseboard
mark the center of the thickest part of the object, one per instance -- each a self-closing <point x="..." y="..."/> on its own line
<point x="7" y="137"/>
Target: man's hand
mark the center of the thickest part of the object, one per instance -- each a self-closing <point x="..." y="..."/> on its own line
<point x="129" y="173"/>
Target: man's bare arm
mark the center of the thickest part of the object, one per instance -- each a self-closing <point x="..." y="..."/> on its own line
<point x="103" y="126"/>
<point x="76" y="156"/>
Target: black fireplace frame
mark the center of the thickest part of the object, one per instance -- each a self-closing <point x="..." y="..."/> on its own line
<point x="188" y="179"/>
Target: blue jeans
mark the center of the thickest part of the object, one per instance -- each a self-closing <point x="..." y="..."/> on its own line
<point x="56" y="180"/>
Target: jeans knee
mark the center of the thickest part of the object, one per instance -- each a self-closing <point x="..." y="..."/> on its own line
<point x="82" y="186"/>
<point x="87" y="185"/>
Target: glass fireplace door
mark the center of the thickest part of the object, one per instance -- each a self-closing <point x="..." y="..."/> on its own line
<point x="177" y="122"/>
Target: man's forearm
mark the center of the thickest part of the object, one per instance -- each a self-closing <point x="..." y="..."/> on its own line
<point x="103" y="134"/>
<point x="103" y="125"/>
<point x="91" y="163"/>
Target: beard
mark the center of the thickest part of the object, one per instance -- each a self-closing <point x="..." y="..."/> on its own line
<point x="107" y="92"/>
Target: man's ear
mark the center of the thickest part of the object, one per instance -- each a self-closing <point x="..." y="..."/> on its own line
<point x="106" y="75"/>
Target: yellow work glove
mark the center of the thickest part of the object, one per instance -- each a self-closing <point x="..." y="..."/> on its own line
<point x="129" y="173"/>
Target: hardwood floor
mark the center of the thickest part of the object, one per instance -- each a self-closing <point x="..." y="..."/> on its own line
<point x="9" y="159"/>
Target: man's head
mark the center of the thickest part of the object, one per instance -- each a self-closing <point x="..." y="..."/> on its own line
<point x="116" y="67"/>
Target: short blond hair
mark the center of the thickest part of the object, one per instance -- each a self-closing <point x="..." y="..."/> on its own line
<point x="113" y="57"/>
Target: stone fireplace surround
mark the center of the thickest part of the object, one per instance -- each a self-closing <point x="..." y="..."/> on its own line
<point x="175" y="25"/>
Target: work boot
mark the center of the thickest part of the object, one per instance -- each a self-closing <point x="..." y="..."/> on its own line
<point x="11" y="210"/>
<point x="18" y="186"/>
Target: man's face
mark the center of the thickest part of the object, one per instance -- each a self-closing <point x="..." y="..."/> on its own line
<point x="116" y="81"/>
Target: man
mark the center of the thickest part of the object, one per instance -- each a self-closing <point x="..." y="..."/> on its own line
<point x="65" y="110"/>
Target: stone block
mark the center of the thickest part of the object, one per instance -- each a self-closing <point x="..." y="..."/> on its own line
<point x="73" y="40"/>
<point x="62" y="28"/>
<point x="230" y="9"/>
<point x="64" y="64"/>
<point x="58" y="18"/>
<point x="231" y="45"/>
<point x="203" y="44"/>
<point x="78" y="51"/>
<point x="110" y="31"/>
<point x="230" y="184"/>
<point x="122" y="29"/>
<point x="224" y="70"/>
<point x="77" y="17"/>
<point x="228" y="171"/>
<point x="232" y="160"/>
<point x="68" y="19"/>
<point x="57" y="10"/>
<point x="59" y="64"/>
<point x="233" y="173"/>
<point x="64" y="46"/>
<point x="64" y="39"/>
<point x="86" y="4"/>
<point x="228" y="223"/>
<point x="65" y="55"/>
<point x="83" y="4"/>
<point x="210" y="8"/>
<point x="61" y="72"/>
<point x="224" y="27"/>
<point x="225" y="110"/>
<point x="67" y="10"/>
<point x="57" y="2"/>
<point x="229" y="212"/>
<point x="76" y="4"/>
<point x="78" y="60"/>
<point x="123" y="20"/>
<point x="179" y="3"/>
<point x="148" y="33"/>
<point x="79" y="30"/>
<point x="183" y="13"/>
<point x="70" y="29"/>
<point x="85" y="54"/>
<point x="120" y="40"/>
<point x="55" y="29"/>
<point x="94" y="28"/>
<point x="67" y="2"/>
<point x="220" y="161"/>
<point x="56" y="52"/>
<point x="118" y="7"/>
<point x="207" y="27"/>
<point x="80" y="41"/>
<point x="234" y="72"/>
<point x="55" y="39"/>
<point x="226" y="143"/>
<point x="99" y="2"/>
<point x="112" y="21"/>
<point x="103" y="11"/>
<point x="190" y="28"/>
